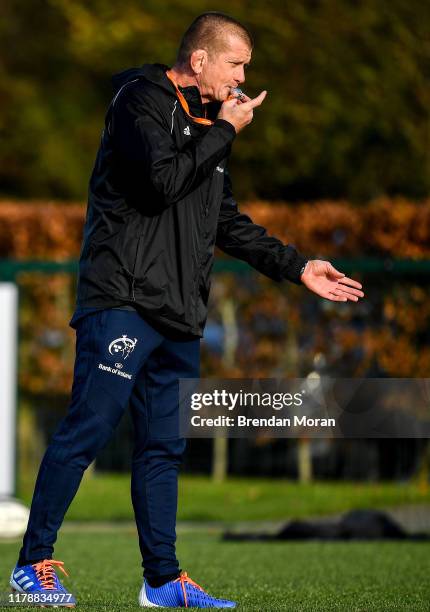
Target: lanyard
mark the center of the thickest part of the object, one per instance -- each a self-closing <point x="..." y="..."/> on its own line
<point x="184" y="103"/>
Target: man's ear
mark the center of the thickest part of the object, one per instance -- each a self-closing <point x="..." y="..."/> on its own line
<point x="198" y="59"/>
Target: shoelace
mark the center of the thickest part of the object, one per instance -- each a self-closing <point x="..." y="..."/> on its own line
<point x="183" y="580"/>
<point x="46" y="574"/>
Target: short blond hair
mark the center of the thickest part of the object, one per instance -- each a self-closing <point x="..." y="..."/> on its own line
<point x="209" y="31"/>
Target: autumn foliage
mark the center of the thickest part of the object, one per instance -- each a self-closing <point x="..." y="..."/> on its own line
<point x="385" y="227"/>
<point x="40" y="230"/>
<point x="280" y="329"/>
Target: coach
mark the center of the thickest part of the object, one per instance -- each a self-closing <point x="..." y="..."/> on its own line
<point x="160" y="200"/>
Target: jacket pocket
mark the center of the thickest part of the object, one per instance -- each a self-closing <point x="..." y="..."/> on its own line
<point x="150" y="277"/>
<point x="152" y="281"/>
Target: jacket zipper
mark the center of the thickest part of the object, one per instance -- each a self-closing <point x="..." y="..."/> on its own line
<point x="201" y="250"/>
<point x="133" y="276"/>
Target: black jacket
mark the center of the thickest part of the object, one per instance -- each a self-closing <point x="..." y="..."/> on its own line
<point x="160" y="199"/>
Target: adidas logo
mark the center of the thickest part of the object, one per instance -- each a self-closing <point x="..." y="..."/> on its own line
<point x="187" y="131"/>
<point x="24" y="581"/>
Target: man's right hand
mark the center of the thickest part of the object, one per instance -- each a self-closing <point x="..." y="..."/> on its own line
<point x="238" y="113"/>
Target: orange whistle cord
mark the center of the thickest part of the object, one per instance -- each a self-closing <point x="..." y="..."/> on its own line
<point x="184" y="103"/>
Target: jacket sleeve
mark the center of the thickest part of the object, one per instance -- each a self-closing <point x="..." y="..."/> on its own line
<point x="238" y="236"/>
<point x="142" y="137"/>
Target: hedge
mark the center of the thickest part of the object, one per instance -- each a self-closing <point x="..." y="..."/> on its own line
<point x="384" y="227"/>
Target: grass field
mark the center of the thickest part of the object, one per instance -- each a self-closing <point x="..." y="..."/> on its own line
<point x="104" y="565"/>
<point x="106" y="497"/>
<point x="105" y="572"/>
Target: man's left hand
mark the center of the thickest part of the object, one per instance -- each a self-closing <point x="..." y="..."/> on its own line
<point x="323" y="279"/>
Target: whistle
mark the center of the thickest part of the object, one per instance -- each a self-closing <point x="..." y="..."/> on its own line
<point x="236" y="92"/>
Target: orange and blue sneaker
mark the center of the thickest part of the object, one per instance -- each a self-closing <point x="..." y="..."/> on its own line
<point x="38" y="584"/>
<point x="180" y="593"/>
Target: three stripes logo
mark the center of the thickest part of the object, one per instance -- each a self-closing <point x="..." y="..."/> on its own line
<point x="22" y="579"/>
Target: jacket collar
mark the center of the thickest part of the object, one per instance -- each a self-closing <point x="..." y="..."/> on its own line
<point x="156" y="73"/>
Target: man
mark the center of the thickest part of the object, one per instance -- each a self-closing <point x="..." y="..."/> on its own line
<point x="160" y="199"/>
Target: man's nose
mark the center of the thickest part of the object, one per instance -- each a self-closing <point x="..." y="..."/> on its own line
<point x="240" y="76"/>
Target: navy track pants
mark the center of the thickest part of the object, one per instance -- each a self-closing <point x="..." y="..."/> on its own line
<point x="121" y="361"/>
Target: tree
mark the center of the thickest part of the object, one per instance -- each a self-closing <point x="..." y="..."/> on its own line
<point x="347" y="113"/>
